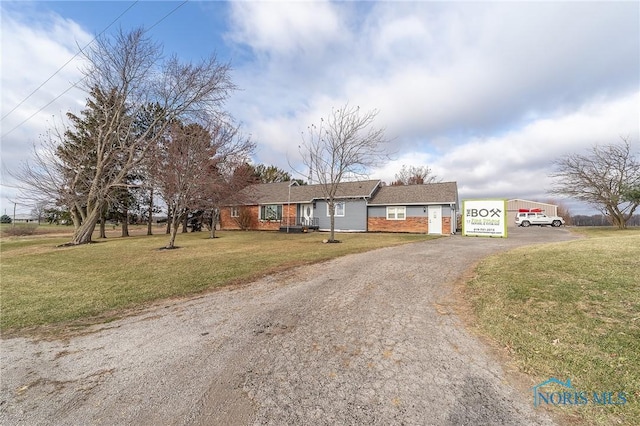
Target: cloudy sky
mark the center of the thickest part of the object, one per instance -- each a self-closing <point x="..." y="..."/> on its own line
<point x="487" y="94"/>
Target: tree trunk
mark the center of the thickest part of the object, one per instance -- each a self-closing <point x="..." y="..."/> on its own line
<point x="332" y="215"/>
<point x="82" y="235"/>
<point x="184" y="224"/>
<point x="175" y="221"/>
<point x="150" y="222"/>
<point x="125" y="220"/>
<point x="169" y="216"/>
<point x="75" y="217"/>
<point x="214" y="222"/>
<point x="172" y="238"/>
<point x="103" y="229"/>
<point x="125" y="223"/>
<point x="617" y="218"/>
<point x="103" y="223"/>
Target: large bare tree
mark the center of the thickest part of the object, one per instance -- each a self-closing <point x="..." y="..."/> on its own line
<point x="602" y="178"/>
<point x="128" y="71"/>
<point x="193" y="168"/>
<point x="226" y="176"/>
<point x="341" y="148"/>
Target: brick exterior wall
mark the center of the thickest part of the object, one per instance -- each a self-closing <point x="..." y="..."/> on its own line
<point x="446" y="226"/>
<point x="411" y="224"/>
<point x="228" y="222"/>
<point x="253" y="213"/>
<point x="289" y="210"/>
<point x="374" y="224"/>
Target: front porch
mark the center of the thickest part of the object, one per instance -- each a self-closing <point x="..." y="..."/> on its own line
<point x="299" y="224"/>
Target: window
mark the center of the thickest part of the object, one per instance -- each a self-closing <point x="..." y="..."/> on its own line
<point x="271" y="212"/>
<point x="396" y="213"/>
<point x="235" y="212"/>
<point x="338" y="207"/>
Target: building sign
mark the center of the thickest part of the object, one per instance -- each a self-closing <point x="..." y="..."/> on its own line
<point x="484" y="218"/>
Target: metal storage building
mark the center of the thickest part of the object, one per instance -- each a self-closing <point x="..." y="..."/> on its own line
<point x="513" y="206"/>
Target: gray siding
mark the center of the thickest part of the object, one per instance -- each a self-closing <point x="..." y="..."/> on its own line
<point x="412" y="211"/>
<point x="416" y="211"/>
<point x="355" y="216"/>
<point x="377" y="211"/>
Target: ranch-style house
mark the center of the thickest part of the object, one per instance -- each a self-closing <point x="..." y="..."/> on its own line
<point x="361" y="206"/>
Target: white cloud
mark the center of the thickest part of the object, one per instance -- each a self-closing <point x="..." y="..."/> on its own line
<point x="488" y="94"/>
<point x="34" y="47"/>
<point x="519" y="162"/>
<point x="432" y="69"/>
<point x="292" y="28"/>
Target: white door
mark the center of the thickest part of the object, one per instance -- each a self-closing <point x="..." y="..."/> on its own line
<point x="307" y="214"/>
<point x="435" y="220"/>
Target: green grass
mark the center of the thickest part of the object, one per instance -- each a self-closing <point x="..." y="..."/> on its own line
<point x="603" y="231"/>
<point x="60" y="287"/>
<point x="570" y="310"/>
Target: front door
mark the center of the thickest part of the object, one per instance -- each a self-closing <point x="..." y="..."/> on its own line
<point x="307" y="214"/>
<point x="435" y="220"/>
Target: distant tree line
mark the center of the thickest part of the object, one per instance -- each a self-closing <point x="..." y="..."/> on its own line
<point x="599" y="220"/>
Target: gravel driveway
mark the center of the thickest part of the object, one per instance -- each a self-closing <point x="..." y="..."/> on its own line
<point x="363" y="339"/>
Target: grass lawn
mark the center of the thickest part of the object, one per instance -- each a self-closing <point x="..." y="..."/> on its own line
<point x="570" y="311"/>
<point x="64" y="287"/>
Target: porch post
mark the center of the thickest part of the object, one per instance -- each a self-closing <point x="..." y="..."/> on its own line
<point x="288" y="207"/>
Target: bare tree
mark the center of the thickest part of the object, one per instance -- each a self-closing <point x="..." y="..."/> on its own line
<point x="342" y="148"/>
<point x="39" y="210"/>
<point x="192" y="169"/>
<point x="150" y="117"/>
<point x="42" y="178"/>
<point x="601" y="178"/>
<point x="127" y="72"/>
<point x="226" y="175"/>
<point x="414" y="175"/>
<point x="180" y="162"/>
<point x="562" y="210"/>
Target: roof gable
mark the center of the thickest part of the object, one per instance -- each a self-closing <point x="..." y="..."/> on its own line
<point x="430" y="193"/>
<point x="280" y="193"/>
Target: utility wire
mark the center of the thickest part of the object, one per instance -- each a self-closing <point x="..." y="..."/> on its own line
<point x="167" y="15"/>
<point x="38" y="111"/>
<point x="78" y="82"/>
<point x="67" y="63"/>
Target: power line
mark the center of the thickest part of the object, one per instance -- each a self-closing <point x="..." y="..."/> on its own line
<point x="167" y="15"/>
<point x="64" y="65"/>
<point x="38" y="111"/>
<point x="78" y="82"/>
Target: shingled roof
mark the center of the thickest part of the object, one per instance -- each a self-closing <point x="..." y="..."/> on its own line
<point x="430" y="193"/>
<point x="278" y="193"/>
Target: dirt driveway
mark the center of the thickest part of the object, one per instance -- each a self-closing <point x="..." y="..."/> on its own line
<point x="364" y="339"/>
